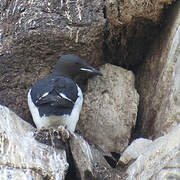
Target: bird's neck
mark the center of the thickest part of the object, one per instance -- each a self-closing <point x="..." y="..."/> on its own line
<point x="57" y="73"/>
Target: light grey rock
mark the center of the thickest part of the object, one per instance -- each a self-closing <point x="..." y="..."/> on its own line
<point x="90" y="162"/>
<point x="156" y="157"/>
<point x="168" y="174"/>
<point x="82" y="156"/>
<point x="134" y="150"/>
<point x="22" y="156"/>
<point x="10" y="173"/>
<point x="175" y="162"/>
<point x="110" y="109"/>
<point x="171" y="170"/>
<point x="159" y="81"/>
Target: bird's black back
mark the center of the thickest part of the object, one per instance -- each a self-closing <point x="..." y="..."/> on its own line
<point x="53" y="103"/>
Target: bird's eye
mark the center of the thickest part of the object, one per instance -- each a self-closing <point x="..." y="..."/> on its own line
<point x="77" y="63"/>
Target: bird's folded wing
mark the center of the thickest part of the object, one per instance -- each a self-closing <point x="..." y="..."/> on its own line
<point x="54" y="99"/>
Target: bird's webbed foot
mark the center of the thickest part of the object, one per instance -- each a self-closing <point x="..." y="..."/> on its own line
<point x="53" y="137"/>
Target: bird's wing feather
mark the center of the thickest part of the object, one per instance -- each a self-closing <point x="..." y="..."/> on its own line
<point x="61" y="92"/>
<point x="54" y="99"/>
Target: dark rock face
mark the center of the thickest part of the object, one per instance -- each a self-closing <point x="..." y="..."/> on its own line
<point x="53" y="28"/>
<point x="130" y="29"/>
<point x="158" y="81"/>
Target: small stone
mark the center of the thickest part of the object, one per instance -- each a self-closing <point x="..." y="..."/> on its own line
<point x="135" y="149"/>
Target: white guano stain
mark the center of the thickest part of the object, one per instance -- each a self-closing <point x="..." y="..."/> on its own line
<point x="77" y="36"/>
<point x="15" y="5"/>
<point x="79" y="9"/>
<point x="67" y="13"/>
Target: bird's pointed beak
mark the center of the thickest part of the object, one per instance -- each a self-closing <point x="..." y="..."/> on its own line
<point x="92" y="70"/>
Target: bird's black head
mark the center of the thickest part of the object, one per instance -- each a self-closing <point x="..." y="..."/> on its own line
<point x="71" y="65"/>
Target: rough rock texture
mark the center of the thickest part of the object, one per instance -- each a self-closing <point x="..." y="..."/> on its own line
<point x="90" y="162"/>
<point x="33" y="34"/>
<point x="134" y="150"/>
<point x="110" y="108"/>
<point x="8" y="172"/>
<point x="82" y="157"/>
<point x="158" y="81"/>
<point x="35" y="28"/>
<point x="156" y="157"/>
<point x="171" y="171"/>
<point x="168" y="174"/>
<point x="22" y="157"/>
<point x="140" y="8"/>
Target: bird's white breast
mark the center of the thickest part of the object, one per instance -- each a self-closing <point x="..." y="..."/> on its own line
<point x="53" y="121"/>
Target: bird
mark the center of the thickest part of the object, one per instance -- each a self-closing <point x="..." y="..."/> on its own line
<point x="57" y="100"/>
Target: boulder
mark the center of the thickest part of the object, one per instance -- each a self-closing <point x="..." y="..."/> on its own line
<point x="110" y="109"/>
<point x="82" y="156"/>
<point x="158" y="81"/>
<point x="22" y="157"/>
<point x="157" y="156"/>
<point x="134" y="150"/>
<point x="90" y="162"/>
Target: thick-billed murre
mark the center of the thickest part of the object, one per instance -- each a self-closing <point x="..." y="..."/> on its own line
<point x="57" y="100"/>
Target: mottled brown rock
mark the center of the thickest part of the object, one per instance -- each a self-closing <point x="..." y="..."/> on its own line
<point x="22" y="157"/>
<point x="49" y="29"/>
<point x="110" y="108"/>
<point x="158" y="81"/>
<point x="123" y="12"/>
